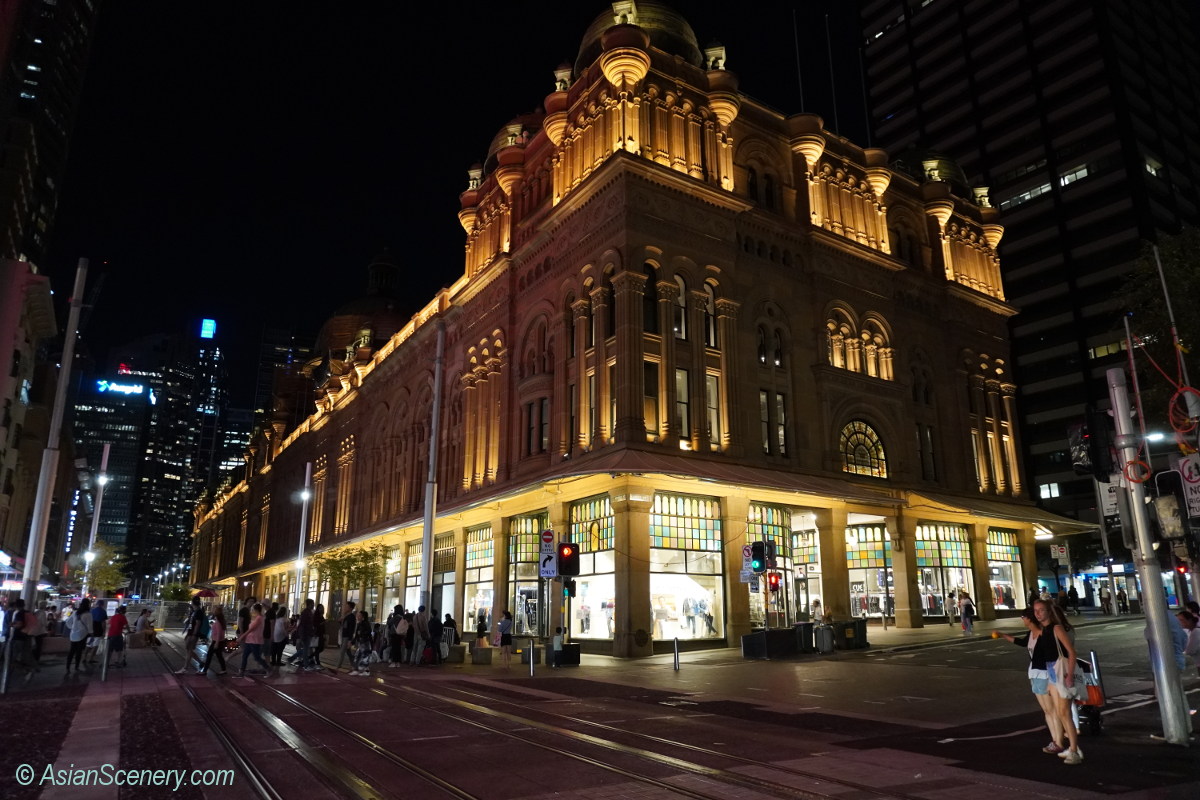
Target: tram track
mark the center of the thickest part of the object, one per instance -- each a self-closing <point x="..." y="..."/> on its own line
<point x="529" y="731"/>
<point x="685" y="746"/>
<point x="337" y="776"/>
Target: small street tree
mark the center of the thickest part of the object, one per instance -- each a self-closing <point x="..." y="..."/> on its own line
<point x="108" y="571"/>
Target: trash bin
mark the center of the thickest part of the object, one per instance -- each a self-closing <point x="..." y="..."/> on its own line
<point x="804" y="637"/>
<point x="823" y="638"/>
<point x="754" y="645"/>
<point x="860" y="633"/>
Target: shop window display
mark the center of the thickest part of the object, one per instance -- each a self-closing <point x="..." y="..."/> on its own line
<point x="478" y="593"/>
<point x="943" y="558"/>
<point x="869" y="568"/>
<point x="593" y="528"/>
<point x="686" y="566"/>
<point x="528" y="599"/>
<point x="1004" y="569"/>
<point x="806" y="571"/>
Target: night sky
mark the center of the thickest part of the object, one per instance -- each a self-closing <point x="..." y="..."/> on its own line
<point x="246" y="162"/>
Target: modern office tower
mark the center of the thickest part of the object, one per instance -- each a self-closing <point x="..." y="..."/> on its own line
<point x="685" y="323"/>
<point x="236" y="431"/>
<point x="44" y="48"/>
<point x="1080" y="116"/>
<point x="182" y="443"/>
<point x="115" y="410"/>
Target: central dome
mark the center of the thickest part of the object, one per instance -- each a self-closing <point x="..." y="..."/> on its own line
<point x="668" y="31"/>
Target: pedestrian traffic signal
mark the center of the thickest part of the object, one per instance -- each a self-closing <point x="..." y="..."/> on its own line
<point x="568" y="588"/>
<point x="758" y="557"/>
<point x="771" y="554"/>
<point x="773" y="581"/>
<point x="1181" y="569"/>
<point x="568" y="558"/>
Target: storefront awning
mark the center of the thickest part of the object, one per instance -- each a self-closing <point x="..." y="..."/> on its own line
<point x="1015" y="510"/>
<point x="640" y="462"/>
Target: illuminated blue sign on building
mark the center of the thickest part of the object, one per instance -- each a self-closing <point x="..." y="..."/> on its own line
<point x="122" y="388"/>
<point x="208" y="328"/>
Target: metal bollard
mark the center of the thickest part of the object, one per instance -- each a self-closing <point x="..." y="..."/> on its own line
<point x="677" y="654"/>
<point x="532" y="656"/>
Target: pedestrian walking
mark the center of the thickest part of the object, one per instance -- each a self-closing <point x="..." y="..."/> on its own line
<point x="362" y="645"/>
<point x="304" y="634"/>
<point x="557" y="645"/>
<point x="81" y="629"/>
<point x="318" y="635"/>
<point x="1073" y="600"/>
<point x="1039" y="641"/>
<point x="505" y="630"/>
<point x="435" y="637"/>
<point x="397" y="631"/>
<point x="346" y="628"/>
<point x="279" y="635"/>
<point x="252" y="641"/>
<point x="118" y="626"/>
<point x="38" y="629"/>
<point x="216" y="642"/>
<point x="966" y="613"/>
<point x="244" y="615"/>
<point x="420" y="630"/>
<point x="1105" y="600"/>
<point x="196" y="628"/>
<point x="1061" y="642"/>
<point x="22" y="644"/>
<point x="1122" y="601"/>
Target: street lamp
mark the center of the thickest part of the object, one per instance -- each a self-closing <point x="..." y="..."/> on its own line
<point x="305" y="496"/>
<point x="88" y="557"/>
<point x="101" y="481"/>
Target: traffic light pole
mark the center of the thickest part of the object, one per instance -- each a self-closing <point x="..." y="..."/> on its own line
<point x="1171" y="700"/>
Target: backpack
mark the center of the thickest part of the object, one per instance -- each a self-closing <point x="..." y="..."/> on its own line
<point x="402" y="627"/>
<point x="968" y="610"/>
<point x="205" y="628"/>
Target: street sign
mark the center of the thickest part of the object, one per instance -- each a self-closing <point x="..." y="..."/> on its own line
<point x="1059" y="553"/>
<point x="1189" y="467"/>
<point x="548" y="562"/>
<point x="746" y="575"/>
<point x="754" y="584"/>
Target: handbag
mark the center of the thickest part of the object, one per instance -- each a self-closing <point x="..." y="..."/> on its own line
<point x="1063" y="665"/>
<point x="445" y="648"/>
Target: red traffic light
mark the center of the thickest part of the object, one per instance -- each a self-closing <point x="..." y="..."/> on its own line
<point x="773" y="581"/>
<point x="568" y="558"/>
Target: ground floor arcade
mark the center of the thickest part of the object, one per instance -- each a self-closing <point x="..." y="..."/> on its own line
<point x="663" y="559"/>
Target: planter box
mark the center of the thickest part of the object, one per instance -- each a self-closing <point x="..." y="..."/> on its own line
<point x="481" y="655"/>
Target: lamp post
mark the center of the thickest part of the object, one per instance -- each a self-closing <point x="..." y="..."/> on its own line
<point x="101" y="482"/>
<point x="305" y="496"/>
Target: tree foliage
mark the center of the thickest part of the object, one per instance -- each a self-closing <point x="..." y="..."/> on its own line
<point x="108" y="571"/>
<point x="176" y="591"/>
<point x="349" y="568"/>
<point x="1150" y="322"/>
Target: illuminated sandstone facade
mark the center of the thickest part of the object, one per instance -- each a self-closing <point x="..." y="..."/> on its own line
<point x="685" y="323"/>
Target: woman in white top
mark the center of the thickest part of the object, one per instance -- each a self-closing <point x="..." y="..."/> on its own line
<point x="279" y="636"/>
<point x="81" y="629"/>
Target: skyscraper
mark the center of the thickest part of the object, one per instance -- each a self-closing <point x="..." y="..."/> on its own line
<point x="1080" y="117"/>
<point x="180" y="442"/>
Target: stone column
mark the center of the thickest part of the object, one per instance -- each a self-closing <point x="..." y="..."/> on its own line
<point x="469" y="422"/>
<point x="633" y="618"/>
<point x="698" y="411"/>
<point x="500" y="588"/>
<point x="1029" y="568"/>
<point x="999" y="457"/>
<point x="667" y="292"/>
<point x="727" y="311"/>
<point x="629" y="289"/>
<point x="986" y="479"/>
<point x="583" y="433"/>
<point x="985" y="605"/>
<point x="734" y="512"/>
<point x="905" y="574"/>
<point x="1008" y="399"/>
<point x="835" y="577"/>
<point x="460" y="580"/>
<point x="600" y="301"/>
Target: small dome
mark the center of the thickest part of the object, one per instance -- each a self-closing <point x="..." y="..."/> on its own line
<point x="929" y="165"/>
<point x="519" y="131"/>
<point x="668" y="30"/>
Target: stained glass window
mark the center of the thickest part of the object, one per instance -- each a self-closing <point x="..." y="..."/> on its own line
<point x="444" y="552"/>
<point x="862" y="451"/>
<point x="1002" y="545"/>
<point x="766" y="523"/>
<point x="942" y="546"/>
<point x="867" y="546"/>
<point x="593" y="526"/>
<point x="684" y="522"/>
<point x="480" y="547"/>
<point x="413" y="575"/>
<point x="525" y="537"/>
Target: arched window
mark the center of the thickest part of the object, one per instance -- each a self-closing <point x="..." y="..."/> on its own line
<point x="610" y="299"/>
<point x="650" y="300"/>
<point x="681" y="331"/>
<point x="710" y="316"/>
<point x="762" y="346"/>
<point x="769" y="191"/>
<point x="862" y="451"/>
<point x="777" y="355"/>
<point x="752" y="183"/>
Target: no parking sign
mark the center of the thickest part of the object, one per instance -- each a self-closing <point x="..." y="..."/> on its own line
<point x="1189" y="468"/>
